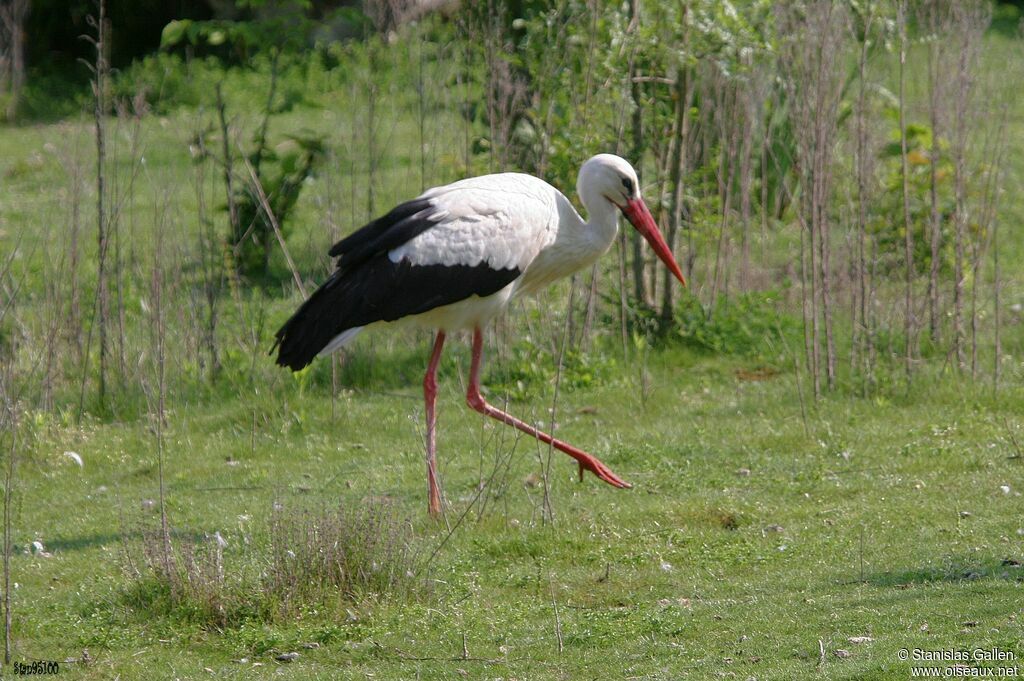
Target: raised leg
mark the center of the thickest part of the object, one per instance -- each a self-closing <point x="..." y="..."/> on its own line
<point x="477" y="402"/>
<point x="430" y="398"/>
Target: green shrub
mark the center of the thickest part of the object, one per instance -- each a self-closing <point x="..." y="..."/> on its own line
<point x="748" y="325"/>
<point x="52" y="96"/>
<point x="170" y="82"/>
<point x="531" y="366"/>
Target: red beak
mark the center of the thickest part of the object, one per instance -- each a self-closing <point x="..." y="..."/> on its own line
<point x="636" y="212"/>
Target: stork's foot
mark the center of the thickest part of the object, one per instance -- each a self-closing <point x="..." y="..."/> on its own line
<point x="594" y="465"/>
<point x="605" y="473"/>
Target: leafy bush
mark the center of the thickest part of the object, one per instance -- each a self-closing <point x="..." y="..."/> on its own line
<point x="746" y="325"/>
<point x="282" y="171"/>
<point x="51" y="96"/>
<point x="170" y="82"/>
<point x="166" y="82"/>
<point x="531" y="366"/>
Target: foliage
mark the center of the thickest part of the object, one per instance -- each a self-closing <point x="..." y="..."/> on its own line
<point x="51" y="95"/>
<point x="242" y="38"/>
<point x="281" y="172"/>
<point x="170" y="82"/>
<point x="531" y="369"/>
<point x="271" y="175"/>
<point x="750" y="325"/>
<point x="267" y="25"/>
<point x="889" y="223"/>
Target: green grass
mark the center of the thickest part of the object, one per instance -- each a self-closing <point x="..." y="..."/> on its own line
<point x="893" y="526"/>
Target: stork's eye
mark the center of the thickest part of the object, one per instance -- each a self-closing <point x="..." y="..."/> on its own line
<point x="628" y="184"/>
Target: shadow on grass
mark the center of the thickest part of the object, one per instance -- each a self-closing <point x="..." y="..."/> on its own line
<point x="1008" y="569"/>
<point x="88" y="541"/>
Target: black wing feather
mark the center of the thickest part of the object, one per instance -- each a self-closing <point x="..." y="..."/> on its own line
<point x="368" y="287"/>
<point x="401" y="224"/>
<point x="379" y="290"/>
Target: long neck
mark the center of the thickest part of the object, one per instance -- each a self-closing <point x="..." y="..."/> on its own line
<point x="577" y="244"/>
<point x="602" y="219"/>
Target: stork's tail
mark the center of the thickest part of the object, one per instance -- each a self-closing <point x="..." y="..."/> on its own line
<point x="313" y="330"/>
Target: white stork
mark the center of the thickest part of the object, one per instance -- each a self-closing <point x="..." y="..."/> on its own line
<point x="454" y="257"/>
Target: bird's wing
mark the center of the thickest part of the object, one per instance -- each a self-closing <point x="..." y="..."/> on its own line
<point x="470" y="238"/>
<point x="501" y="221"/>
<point x="378" y="290"/>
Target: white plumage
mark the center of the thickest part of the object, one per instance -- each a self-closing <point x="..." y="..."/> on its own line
<point x="501" y="220"/>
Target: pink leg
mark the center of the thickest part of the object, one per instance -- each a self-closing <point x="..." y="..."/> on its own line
<point x="477" y="402"/>
<point x="430" y="397"/>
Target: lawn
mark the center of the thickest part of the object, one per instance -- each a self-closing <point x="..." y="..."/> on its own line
<point x="750" y="539"/>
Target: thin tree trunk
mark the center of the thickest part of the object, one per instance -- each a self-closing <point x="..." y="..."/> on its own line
<point x="746" y="170"/>
<point x="659" y="147"/>
<point x="228" y="163"/>
<point x="726" y="113"/>
<point x="421" y="107"/>
<point x="872" y="319"/>
<point x="935" y="101"/>
<point x="825" y="244"/>
<point x="102" y="237"/>
<point x="764" y="197"/>
<point x="160" y="332"/>
<point x="261" y="136"/>
<point x="996" y="306"/>
<point x="13" y="15"/>
<point x="371" y="137"/>
<point x="636" y="155"/>
<point x="807" y="307"/>
<point x="74" y="325"/>
<point x="908" y="253"/>
<point x="959" y="227"/>
<point x="974" y="319"/>
<point x="815" y="250"/>
<point x="492" y="106"/>
<point x="826" y="123"/>
<point x="213" y="279"/>
<point x="677" y="162"/>
<point x="462" y="81"/>
<point x="996" y="273"/>
<point x="862" y="337"/>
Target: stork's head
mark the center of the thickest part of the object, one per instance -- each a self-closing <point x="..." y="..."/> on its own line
<point x="607" y="177"/>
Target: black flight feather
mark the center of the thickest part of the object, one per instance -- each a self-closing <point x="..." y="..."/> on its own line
<point x="368" y="287"/>
<point x="401" y="224"/>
